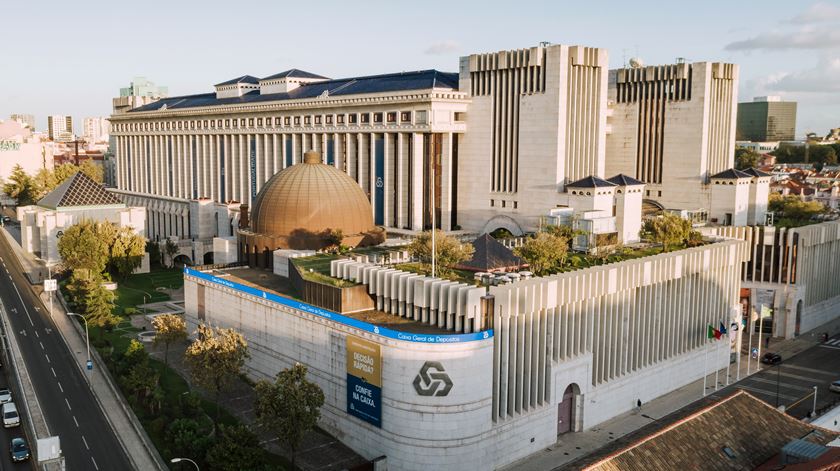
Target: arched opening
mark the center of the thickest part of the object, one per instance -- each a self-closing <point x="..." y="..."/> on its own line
<point x="181" y="261"/>
<point x="208" y="258"/>
<point x="569" y="410"/>
<point x="798" y="316"/>
<point x="503" y="222"/>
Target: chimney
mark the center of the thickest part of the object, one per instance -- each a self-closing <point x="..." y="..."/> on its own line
<point x="243" y="216"/>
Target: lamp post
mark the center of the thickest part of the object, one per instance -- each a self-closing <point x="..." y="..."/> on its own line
<point x="778" y="373"/>
<point x="814" y="408"/>
<point x="178" y="460"/>
<point x="49" y="286"/>
<point x="87" y="337"/>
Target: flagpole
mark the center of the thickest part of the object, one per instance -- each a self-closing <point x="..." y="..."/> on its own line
<point x="728" y="352"/>
<point x="705" y="351"/>
<point x="749" y="349"/>
<point x="717" y="369"/>
<point x="760" y="333"/>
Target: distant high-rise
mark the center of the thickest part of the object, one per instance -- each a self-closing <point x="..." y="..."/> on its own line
<point x="60" y="128"/>
<point x="26" y="119"/>
<point x="96" y="128"/>
<point x="140" y="92"/>
<point x="766" y="118"/>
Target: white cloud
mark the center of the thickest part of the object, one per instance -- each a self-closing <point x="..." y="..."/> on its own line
<point x="824" y="78"/>
<point x="818" y="13"/>
<point x="443" y="47"/>
<point x="805" y="38"/>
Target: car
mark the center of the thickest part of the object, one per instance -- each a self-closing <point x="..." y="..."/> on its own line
<point x="5" y="396"/>
<point x="10" y="415"/>
<point x="19" y="450"/>
<point x="835" y="386"/>
<point x="771" y="359"/>
<point x="7" y="219"/>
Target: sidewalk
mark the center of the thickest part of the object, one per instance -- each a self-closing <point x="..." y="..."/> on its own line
<point x="125" y="426"/>
<point x="572" y="446"/>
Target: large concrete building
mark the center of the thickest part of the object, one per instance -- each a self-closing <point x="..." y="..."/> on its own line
<point x="139" y="92"/>
<point x="25" y="119"/>
<point x="96" y="129"/>
<point x="767" y="119"/>
<point x="60" y="128"/>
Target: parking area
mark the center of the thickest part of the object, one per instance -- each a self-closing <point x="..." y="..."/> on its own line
<point x="791" y="382"/>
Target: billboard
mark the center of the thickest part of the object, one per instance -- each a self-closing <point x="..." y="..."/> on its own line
<point x="364" y="380"/>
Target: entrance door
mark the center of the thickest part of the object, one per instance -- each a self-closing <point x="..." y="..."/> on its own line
<point x="564" y="412"/>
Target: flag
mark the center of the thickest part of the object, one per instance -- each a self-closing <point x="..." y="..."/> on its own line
<point x="717" y="334"/>
<point x="722" y="329"/>
<point x="766" y="312"/>
<point x="710" y="331"/>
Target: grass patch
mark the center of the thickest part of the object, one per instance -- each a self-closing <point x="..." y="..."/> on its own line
<point x="141" y="288"/>
<point x="451" y="274"/>
<point x="317" y="268"/>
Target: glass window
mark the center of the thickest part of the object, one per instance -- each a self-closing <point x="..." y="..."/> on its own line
<point x="227" y="123"/>
<point x="318" y="119"/>
<point x="329" y="119"/>
<point x="307" y="120"/>
<point x="277" y="121"/>
<point x="405" y="117"/>
<point x="377" y="117"/>
<point x="392" y="117"/>
<point x="365" y="117"/>
<point x="339" y="119"/>
<point x="251" y="122"/>
<point x="259" y="122"/>
<point x="297" y="120"/>
<point x="287" y="120"/>
<point x="420" y="117"/>
<point x="353" y="118"/>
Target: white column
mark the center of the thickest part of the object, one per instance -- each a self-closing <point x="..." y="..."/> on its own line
<point x="276" y="164"/>
<point x="352" y="155"/>
<point x="338" y="151"/>
<point x="401" y="183"/>
<point x="213" y="166"/>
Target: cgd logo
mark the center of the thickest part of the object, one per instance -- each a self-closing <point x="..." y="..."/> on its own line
<point x="434" y="383"/>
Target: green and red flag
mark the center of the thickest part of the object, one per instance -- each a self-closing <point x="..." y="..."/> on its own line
<point x="712" y="332"/>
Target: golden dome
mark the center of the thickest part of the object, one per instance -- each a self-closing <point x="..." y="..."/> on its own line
<point x="298" y="206"/>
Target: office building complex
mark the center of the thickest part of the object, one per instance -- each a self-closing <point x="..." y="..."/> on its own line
<point x="767" y="119"/>
<point x="140" y="92"/>
<point x="27" y="119"/>
<point x="60" y="128"/>
<point x="96" y="129"/>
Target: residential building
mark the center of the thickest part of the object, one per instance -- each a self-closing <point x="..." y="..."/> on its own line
<point x="96" y="129"/>
<point x="766" y="118"/>
<point x="60" y="128"/>
<point x="20" y="146"/>
<point x="27" y="119"/>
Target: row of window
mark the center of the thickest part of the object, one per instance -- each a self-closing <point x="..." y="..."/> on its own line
<point x="390" y="117"/>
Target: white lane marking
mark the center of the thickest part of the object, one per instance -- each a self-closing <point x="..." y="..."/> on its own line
<point x="59" y="387"/>
<point x="810" y="370"/>
<point x="764" y="392"/>
<point x="801" y="378"/>
<point x="48" y="358"/>
<point x="76" y="421"/>
<point x="772" y="382"/>
<point x="94" y="463"/>
<point x="42" y="344"/>
<point x="36" y="334"/>
<point x="834" y="342"/>
<point x="68" y="403"/>
<point x="53" y="372"/>
<point x="23" y="304"/>
<point x="84" y="440"/>
<point x="830" y="346"/>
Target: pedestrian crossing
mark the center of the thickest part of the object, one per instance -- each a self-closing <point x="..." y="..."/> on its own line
<point x="833" y="344"/>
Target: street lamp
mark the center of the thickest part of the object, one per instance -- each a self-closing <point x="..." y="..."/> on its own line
<point x="49" y="287"/>
<point x="178" y="460"/>
<point x="778" y="372"/>
<point x="87" y="336"/>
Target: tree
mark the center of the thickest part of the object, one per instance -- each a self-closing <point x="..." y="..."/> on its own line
<point x="791" y="211"/>
<point x="20" y="187"/>
<point x="215" y="358"/>
<point x="80" y="283"/>
<point x="126" y="251"/>
<point x="236" y="448"/>
<point x="154" y="252"/>
<point x="99" y="308"/>
<point x="290" y="406"/>
<point x="333" y="237"/>
<point x="185" y="437"/>
<point x="544" y="252"/>
<point x="169" y="328"/>
<point x="93" y="170"/>
<point x="44" y="182"/>
<point x="668" y="229"/>
<point x="746" y="158"/>
<point x="449" y="251"/>
<point x="82" y="246"/>
<point x="170" y="249"/>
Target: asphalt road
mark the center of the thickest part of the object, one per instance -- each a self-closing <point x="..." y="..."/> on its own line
<point x="794" y="378"/>
<point x="71" y="412"/>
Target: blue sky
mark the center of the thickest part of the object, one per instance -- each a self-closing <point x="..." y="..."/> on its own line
<point x="63" y="57"/>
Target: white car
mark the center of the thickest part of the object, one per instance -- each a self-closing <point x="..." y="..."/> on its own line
<point x="10" y="415"/>
<point x="835" y="386"/>
<point x="5" y="396"/>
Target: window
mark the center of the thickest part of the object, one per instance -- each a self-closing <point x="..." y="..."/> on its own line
<point x="297" y="120"/>
<point x="242" y="123"/>
<point x="377" y="117"/>
<point x="277" y="121"/>
<point x="307" y="120"/>
<point x="492" y="203"/>
<point x="460" y="116"/>
<point x="287" y="121"/>
<point x="391" y="117"/>
<point x="212" y="124"/>
<point x="318" y="119"/>
<point x="420" y="117"/>
<point x="251" y="123"/>
<point x="206" y="124"/>
<point x="329" y="119"/>
<point x="227" y="123"/>
<point x="405" y="117"/>
<point x="352" y="118"/>
<point x="339" y="119"/>
<point x="365" y="118"/>
<point x="515" y="204"/>
<point x="180" y="125"/>
<point x="259" y="122"/>
<point x="503" y="203"/>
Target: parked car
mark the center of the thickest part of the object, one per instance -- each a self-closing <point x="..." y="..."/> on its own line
<point x="19" y="450"/>
<point x="5" y="396"/>
<point x="7" y="219"/>
<point x="835" y="386"/>
<point x="10" y="415"/>
<point x="771" y="359"/>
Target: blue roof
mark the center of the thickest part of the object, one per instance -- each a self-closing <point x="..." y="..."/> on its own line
<point x="243" y="79"/>
<point x="295" y="73"/>
<point x="402" y="81"/>
<point x="591" y="182"/>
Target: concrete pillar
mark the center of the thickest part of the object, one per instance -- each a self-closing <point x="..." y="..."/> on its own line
<point x="446" y="183"/>
<point x="417" y="182"/>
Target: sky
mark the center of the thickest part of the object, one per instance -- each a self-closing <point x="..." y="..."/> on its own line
<point x="61" y="57"/>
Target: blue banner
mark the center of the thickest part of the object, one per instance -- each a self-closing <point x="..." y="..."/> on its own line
<point x="194" y="170"/>
<point x="289" y="151"/>
<point x="330" y="151"/>
<point x="148" y="167"/>
<point x="253" y="167"/>
<point x="169" y="161"/>
<point x="364" y="400"/>
<point x="379" y="172"/>
<point x="341" y="319"/>
<point x="222" y="169"/>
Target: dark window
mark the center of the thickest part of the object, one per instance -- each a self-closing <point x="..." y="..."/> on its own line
<point x="392" y="117"/>
<point x="503" y="203"/>
<point x="352" y="118"/>
<point x="277" y="121"/>
<point x="318" y="119"/>
<point x="307" y="120"/>
<point x="329" y="119"/>
<point x="339" y="119"/>
<point x="405" y="117"/>
<point x="366" y="117"/>
<point x="297" y="120"/>
<point x="377" y="117"/>
<point x="492" y="203"/>
<point x="206" y="124"/>
<point x="251" y="123"/>
<point x="227" y="123"/>
<point x="515" y="204"/>
<point x="259" y="121"/>
<point x="286" y="121"/>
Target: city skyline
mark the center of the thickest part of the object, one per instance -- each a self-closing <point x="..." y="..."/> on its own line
<point x="783" y="49"/>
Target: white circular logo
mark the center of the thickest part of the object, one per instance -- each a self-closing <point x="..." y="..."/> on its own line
<point x="379" y="182"/>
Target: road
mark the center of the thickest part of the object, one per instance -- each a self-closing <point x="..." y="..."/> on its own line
<point x="793" y="379"/>
<point x="71" y="412"/>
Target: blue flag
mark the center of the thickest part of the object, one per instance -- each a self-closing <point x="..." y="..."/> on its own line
<point x="722" y="329"/>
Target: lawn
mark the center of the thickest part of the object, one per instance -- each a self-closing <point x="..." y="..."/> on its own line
<point x="461" y="276"/>
<point x="142" y="288"/>
<point x="317" y="268"/>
